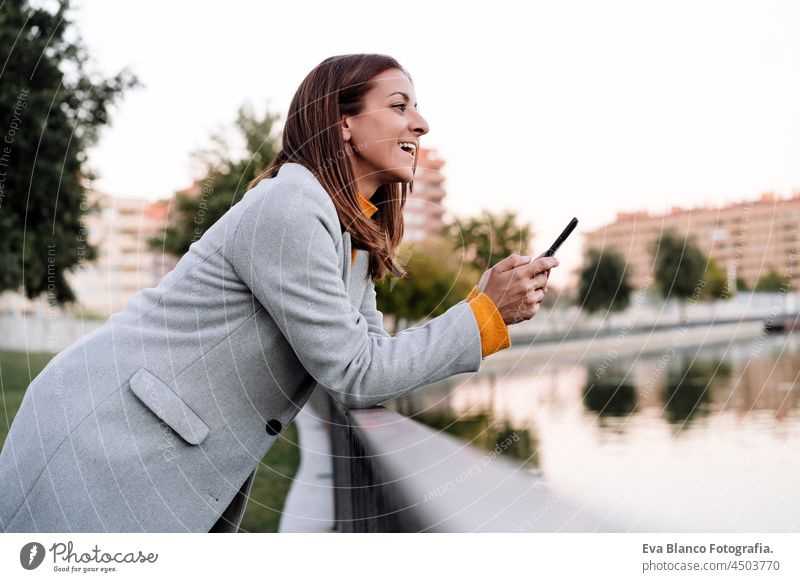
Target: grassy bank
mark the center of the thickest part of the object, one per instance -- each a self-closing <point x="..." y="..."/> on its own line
<point x="274" y="477"/>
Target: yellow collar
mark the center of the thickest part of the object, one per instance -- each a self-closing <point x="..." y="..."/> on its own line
<point x="368" y="207"/>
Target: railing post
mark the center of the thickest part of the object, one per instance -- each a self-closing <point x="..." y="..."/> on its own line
<point x="361" y="501"/>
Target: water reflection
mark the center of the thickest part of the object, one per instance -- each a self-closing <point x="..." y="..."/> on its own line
<point x="610" y="396"/>
<point x="688" y="393"/>
<point x="689" y="440"/>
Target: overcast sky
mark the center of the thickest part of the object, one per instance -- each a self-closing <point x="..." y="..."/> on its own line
<point x="555" y="109"/>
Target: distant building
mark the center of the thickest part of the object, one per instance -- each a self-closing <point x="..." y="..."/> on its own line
<point x="747" y="239"/>
<point x="125" y="263"/>
<point x="424" y="208"/>
<point x="155" y="217"/>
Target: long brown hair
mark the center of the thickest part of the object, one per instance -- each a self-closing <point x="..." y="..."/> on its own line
<point x="311" y="137"/>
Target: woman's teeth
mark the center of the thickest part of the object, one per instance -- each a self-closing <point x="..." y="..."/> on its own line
<point x="405" y="146"/>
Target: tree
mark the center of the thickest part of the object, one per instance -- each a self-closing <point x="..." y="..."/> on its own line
<point x="437" y="279"/>
<point x="226" y="174"/>
<point x="603" y="282"/>
<point x="679" y="268"/>
<point x="51" y="112"/>
<point x="488" y="239"/>
<point x="716" y="281"/>
<point x="741" y="284"/>
<point x="771" y="282"/>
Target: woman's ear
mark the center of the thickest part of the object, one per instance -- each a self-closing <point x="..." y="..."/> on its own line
<point x="344" y="124"/>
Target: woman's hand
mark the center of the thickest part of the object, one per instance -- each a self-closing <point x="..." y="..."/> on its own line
<point x="517" y="285"/>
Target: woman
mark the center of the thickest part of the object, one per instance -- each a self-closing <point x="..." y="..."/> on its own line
<point x="157" y="420"/>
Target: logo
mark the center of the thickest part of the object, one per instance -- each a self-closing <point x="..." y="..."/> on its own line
<point x="31" y="555"/>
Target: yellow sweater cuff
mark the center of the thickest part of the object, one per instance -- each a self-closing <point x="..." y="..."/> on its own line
<point x="494" y="331"/>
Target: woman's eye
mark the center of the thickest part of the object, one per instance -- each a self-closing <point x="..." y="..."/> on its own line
<point x="400" y="105"/>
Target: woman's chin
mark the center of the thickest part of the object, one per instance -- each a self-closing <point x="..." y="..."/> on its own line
<point x="402" y="174"/>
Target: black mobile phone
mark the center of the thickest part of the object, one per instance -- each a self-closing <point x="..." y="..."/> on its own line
<point x="561" y="238"/>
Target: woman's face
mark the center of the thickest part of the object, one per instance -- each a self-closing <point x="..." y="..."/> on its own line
<point x="389" y="118"/>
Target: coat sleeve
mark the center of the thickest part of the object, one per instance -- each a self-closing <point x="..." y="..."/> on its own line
<point x="285" y="251"/>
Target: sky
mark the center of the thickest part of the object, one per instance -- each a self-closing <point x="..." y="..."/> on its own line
<point x="551" y="109"/>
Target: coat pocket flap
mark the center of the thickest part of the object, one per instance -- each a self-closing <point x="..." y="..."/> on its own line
<point x="168" y="406"/>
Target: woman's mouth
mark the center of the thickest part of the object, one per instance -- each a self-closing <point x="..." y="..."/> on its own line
<point x="408" y="147"/>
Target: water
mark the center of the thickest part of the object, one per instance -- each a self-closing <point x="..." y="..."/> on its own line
<point x="699" y="439"/>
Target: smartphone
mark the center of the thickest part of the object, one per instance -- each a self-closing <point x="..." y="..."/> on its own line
<point x="561" y="238"/>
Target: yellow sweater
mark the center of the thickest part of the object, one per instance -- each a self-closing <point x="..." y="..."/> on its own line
<point x="494" y="331"/>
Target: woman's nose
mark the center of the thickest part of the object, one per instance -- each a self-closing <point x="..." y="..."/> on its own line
<point x="419" y="125"/>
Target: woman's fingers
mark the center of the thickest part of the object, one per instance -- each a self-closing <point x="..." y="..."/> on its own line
<point x="537" y="266"/>
<point x="534" y="296"/>
<point x="519" y="286"/>
<point x="539" y="281"/>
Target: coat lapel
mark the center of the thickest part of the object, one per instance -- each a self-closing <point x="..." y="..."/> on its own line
<point x="346" y="259"/>
<point x="353" y="270"/>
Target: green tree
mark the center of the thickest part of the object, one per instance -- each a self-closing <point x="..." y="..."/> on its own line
<point x="488" y="239"/>
<point x="679" y="268"/>
<point x="716" y="282"/>
<point x="772" y="281"/>
<point x="603" y="282"/>
<point x="227" y="169"/>
<point x="436" y="280"/>
<point x="51" y="112"/>
<point x="741" y="284"/>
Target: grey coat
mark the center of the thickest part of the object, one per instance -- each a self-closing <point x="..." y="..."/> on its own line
<point x="157" y="420"/>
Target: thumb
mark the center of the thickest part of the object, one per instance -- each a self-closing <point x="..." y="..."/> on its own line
<point x="511" y="262"/>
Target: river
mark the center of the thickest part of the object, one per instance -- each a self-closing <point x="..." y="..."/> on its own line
<point x="703" y="438"/>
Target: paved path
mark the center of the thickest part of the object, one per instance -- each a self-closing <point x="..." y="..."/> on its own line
<point x="309" y="505"/>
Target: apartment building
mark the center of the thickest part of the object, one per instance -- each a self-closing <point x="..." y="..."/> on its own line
<point x="748" y="239"/>
<point x="125" y="263"/>
<point x="424" y="210"/>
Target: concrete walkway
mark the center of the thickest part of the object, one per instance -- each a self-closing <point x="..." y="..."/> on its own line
<point x="309" y="505"/>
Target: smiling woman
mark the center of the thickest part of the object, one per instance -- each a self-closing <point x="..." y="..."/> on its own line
<point x="158" y="420"/>
<point x="354" y="123"/>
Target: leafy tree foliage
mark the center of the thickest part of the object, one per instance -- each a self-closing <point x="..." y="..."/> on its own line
<point x="51" y="111"/>
<point x="437" y="279"/>
<point x="603" y="282"/>
<point x="679" y="266"/>
<point x="487" y="239"/>
<point x="772" y="281"/>
<point x="227" y="169"/>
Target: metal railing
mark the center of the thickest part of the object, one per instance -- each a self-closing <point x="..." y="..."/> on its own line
<point x="393" y="474"/>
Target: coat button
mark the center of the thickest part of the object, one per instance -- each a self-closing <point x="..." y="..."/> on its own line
<point x="273" y="426"/>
